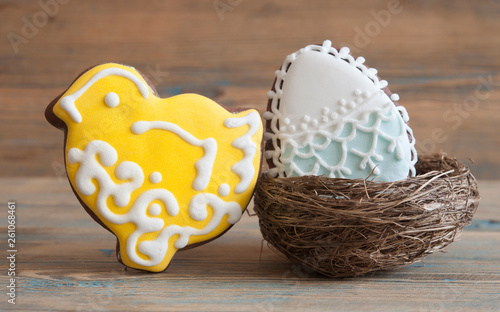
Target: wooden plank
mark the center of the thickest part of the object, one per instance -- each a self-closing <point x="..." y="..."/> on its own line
<point x="66" y="261"/>
<point x="490" y="197"/>
<point x="434" y="54"/>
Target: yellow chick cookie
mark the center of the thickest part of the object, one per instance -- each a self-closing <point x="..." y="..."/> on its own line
<point x="160" y="174"/>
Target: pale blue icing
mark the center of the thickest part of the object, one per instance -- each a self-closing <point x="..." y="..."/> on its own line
<point x="391" y="168"/>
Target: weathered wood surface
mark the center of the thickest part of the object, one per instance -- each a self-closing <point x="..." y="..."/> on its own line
<point x="67" y="262"/>
<point x="438" y="55"/>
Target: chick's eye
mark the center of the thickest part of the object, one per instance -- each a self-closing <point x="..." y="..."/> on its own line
<point x="112" y="100"/>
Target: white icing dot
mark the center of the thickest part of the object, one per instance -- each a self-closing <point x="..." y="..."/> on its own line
<point x="365" y="94"/>
<point x="342" y="102"/>
<point x="273" y="172"/>
<point x="314" y="122"/>
<point x="352" y="104"/>
<point x="155" y="177"/>
<point x="325" y="119"/>
<point x="268" y="115"/>
<point x="306" y="118"/>
<point x="334" y="115"/>
<point x="224" y="189"/>
<point x="292" y="128"/>
<point x="395" y="97"/>
<point x="269" y="154"/>
<point x="372" y="71"/>
<point x="286" y="121"/>
<point x="327" y="44"/>
<point x="303" y="126"/>
<point x="280" y="74"/>
<point x="112" y="99"/>
<point x="270" y="94"/>
<point x="325" y="110"/>
<point x="154" y="209"/>
<point x="268" y="135"/>
<point x="283" y="128"/>
<point x="342" y="110"/>
<point x="74" y="155"/>
<point x="357" y="92"/>
<point x="360" y="60"/>
<point x="345" y="50"/>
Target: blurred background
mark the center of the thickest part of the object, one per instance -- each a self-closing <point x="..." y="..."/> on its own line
<point x="441" y="57"/>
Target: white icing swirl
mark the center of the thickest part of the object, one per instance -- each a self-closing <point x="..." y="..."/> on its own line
<point x="67" y="103"/>
<point x="244" y="168"/>
<point x="99" y="154"/>
<point x="204" y="165"/>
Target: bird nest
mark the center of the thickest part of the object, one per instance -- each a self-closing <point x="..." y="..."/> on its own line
<point x="348" y="227"/>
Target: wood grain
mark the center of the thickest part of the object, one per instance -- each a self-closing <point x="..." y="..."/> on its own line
<point x="434" y="54"/>
<point x="67" y="262"/>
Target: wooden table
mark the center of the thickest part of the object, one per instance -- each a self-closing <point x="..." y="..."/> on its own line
<point x="66" y="261"/>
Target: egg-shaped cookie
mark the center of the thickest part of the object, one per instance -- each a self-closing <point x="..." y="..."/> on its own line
<point x="330" y="115"/>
